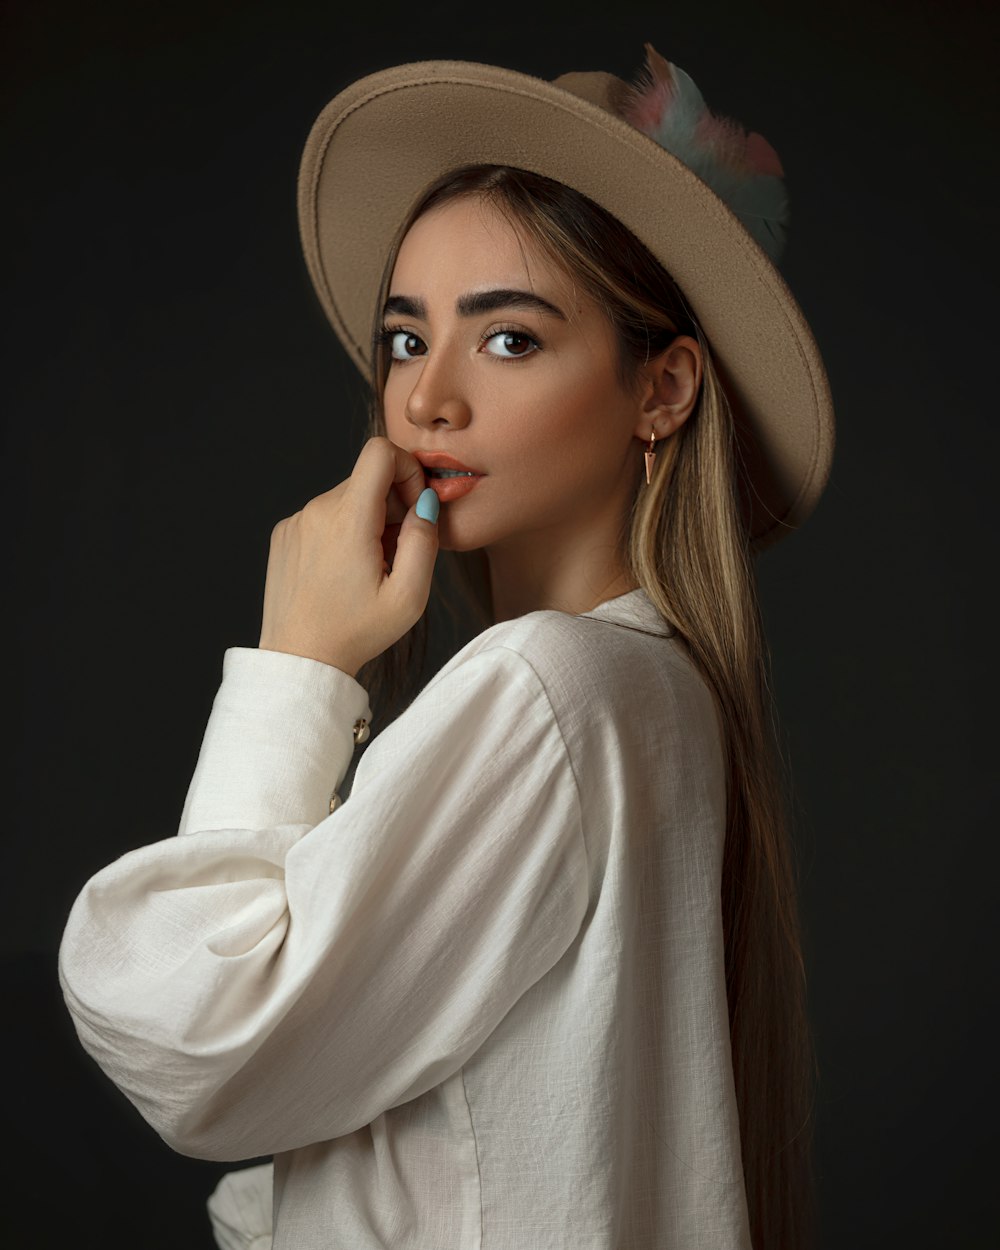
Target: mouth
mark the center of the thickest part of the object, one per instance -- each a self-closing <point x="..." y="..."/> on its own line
<point x="449" y="484"/>
<point x="443" y="464"/>
<point x="447" y="477"/>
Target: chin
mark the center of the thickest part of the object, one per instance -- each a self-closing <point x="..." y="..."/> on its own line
<point x="456" y="537"/>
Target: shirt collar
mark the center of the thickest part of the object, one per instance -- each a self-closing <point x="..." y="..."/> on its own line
<point x="633" y="609"/>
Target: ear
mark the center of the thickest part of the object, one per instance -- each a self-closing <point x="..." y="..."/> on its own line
<point x="671" y="383"/>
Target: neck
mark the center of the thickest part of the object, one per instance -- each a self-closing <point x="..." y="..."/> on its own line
<point x="566" y="572"/>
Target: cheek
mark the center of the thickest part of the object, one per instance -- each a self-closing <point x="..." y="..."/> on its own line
<point x="572" y="427"/>
<point x="560" y="449"/>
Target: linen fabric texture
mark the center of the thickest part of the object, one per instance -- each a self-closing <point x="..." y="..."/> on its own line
<point x="479" y="1006"/>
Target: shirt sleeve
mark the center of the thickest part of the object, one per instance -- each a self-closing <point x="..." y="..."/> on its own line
<point x="278" y="975"/>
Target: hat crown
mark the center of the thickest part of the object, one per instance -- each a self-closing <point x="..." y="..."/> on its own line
<point x="607" y="91"/>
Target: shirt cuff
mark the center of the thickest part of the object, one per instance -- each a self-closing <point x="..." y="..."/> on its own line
<point x="278" y="743"/>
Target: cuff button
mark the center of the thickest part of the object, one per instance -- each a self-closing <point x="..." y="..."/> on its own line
<point x="361" y="730"/>
<point x="335" y="801"/>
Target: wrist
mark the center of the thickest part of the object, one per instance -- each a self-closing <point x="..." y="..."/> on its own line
<point x="347" y="664"/>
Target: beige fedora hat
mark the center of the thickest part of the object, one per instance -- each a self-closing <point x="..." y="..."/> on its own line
<point x="381" y="141"/>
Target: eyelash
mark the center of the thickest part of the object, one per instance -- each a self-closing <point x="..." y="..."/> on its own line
<point x="388" y="333"/>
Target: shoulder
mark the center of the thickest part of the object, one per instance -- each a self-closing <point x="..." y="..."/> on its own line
<point x="484" y="715"/>
<point x="535" y="642"/>
<point x="586" y="663"/>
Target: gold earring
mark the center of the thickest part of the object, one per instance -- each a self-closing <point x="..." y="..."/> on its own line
<point x="650" y="455"/>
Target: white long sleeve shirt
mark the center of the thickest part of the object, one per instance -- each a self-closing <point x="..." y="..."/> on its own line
<point x="479" y="1006"/>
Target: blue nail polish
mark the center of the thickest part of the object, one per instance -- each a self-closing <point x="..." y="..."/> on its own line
<point x="428" y="505"/>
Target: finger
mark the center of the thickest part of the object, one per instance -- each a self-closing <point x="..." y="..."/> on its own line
<point x="408" y="478"/>
<point x="395" y="508"/>
<point x="385" y="483"/>
<point x="413" y="566"/>
<point x="390" y="470"/>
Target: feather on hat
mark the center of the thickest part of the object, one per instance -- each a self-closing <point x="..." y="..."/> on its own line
<point x="742" y="168"/>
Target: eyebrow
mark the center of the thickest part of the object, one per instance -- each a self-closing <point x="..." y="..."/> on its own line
<point x="476" y="303"/>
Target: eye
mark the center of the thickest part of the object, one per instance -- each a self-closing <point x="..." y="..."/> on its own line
<point x="403" y="344"/>
<point x="515" y="343"/>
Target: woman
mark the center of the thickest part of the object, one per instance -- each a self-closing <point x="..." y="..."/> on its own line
<point x="537" y="980"/>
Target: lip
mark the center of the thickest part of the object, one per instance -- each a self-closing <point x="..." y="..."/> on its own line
<point x="441" y="460"/>
<point x="449" y="488"/>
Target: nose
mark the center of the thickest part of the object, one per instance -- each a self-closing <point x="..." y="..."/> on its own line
<point x="436" y="398"/>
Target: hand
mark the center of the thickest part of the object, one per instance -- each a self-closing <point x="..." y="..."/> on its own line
<point x="329" y="593"/>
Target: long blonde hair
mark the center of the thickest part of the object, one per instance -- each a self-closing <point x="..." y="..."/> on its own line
<point x="688" y="547"/>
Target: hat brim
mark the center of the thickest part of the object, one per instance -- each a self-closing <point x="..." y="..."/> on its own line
<point x="379" y="143"/>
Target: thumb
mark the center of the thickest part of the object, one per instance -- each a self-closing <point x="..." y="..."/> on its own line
<point x="416" y="549"/>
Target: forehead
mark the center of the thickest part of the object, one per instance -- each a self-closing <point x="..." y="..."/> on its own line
<point x="467" y="243"/>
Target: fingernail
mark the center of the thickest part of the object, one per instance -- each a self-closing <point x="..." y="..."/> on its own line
<point x="428" y="505"/>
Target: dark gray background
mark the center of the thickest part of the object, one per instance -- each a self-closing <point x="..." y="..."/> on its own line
<point x="175" y="390"/>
